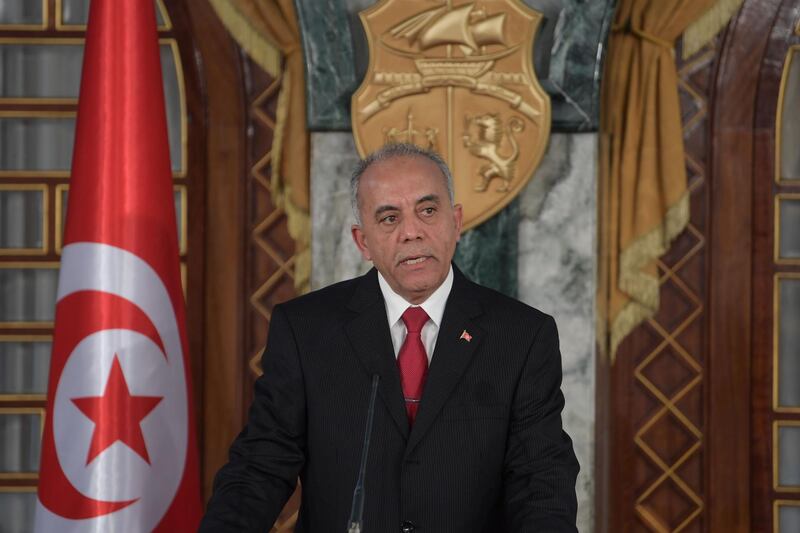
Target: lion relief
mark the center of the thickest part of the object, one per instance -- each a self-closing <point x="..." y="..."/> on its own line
<point x="487" y="145"/>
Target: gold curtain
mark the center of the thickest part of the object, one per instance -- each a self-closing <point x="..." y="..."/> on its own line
<point x="644" y="201"/>
<point x="268" y="31"/>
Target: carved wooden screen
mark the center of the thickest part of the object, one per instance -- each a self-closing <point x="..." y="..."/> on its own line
<point x="249" y="255"/>
<point x="695" y="427"/>
<point x="658" y="381"/>
<point x="270" y="248"/>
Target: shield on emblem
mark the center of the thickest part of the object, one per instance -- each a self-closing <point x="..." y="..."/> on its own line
<point x="457" y="77"/>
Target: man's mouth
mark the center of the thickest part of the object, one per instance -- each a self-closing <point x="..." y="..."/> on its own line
<point x="414" y="260"/>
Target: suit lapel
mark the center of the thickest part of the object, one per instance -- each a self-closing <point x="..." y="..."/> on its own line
<point x="451" y="357"/>
<point x="369" y="335"/>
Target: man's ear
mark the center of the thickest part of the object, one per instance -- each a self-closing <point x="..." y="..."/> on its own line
<point x="361" y="241"/>
<point x="458" y="215"/>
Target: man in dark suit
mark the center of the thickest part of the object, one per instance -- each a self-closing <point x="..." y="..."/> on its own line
<point x="467" y="432"/>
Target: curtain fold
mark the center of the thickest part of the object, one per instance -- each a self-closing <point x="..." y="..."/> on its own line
<point x="269" y="32"/>
<point x="643" y="196"/>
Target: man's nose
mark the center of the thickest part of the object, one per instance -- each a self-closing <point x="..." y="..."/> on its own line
<point x="410" y="228"/>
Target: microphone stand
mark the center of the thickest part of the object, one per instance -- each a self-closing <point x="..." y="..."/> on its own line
<point x="357" y="510"/>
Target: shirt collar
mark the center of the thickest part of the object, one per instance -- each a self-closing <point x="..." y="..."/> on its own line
<point x="434" y="305"/>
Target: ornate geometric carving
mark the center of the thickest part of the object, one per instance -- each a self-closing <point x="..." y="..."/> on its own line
<point x="668" y="362"/>
<point x="670" y="507"/>
<point x="668" y="373"/>
<point x="269" y="248"/>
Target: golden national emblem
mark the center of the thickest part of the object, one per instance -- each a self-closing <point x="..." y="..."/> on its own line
<point x="457" y="77"/>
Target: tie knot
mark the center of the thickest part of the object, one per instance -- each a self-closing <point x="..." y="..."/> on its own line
<point x="414" y="318"/>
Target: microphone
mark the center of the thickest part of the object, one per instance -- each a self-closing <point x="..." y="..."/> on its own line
<point x="357" y="510"/>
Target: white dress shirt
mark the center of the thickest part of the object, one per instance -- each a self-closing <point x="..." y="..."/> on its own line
<point x="434" y="306"/>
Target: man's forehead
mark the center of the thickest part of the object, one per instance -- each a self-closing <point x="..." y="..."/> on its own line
<point x="383" y="192"/>
<point x="397" y="170"/>
<point x="386" y="204"/>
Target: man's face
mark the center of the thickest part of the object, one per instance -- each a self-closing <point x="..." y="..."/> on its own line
<point x="408" y="228"/>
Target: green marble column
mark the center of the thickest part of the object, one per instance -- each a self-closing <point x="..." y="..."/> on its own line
<point x="488" y="254"/>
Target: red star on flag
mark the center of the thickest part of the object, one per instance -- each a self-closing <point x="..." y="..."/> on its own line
<point x="117" y="415"/>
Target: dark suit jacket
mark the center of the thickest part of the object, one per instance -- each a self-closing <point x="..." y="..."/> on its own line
<point x="487" y="452"/>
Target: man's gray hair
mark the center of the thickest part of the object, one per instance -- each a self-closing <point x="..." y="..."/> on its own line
<point x="390" y="151"/>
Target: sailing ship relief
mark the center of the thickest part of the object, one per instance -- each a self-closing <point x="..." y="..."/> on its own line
<point x="457" y="77"/>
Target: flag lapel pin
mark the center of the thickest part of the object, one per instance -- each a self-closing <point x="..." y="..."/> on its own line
<point x="465" y="336"/>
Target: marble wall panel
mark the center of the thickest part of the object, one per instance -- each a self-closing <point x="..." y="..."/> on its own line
<point x="334" y="256"/>
<point x="330" y="68"/>
<point x="487" y="254"/>
<point x="556" y="271"/>
<point x="576" y="57"/>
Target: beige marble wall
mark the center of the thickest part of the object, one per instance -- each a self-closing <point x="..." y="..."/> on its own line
<point x="556" y="273"/>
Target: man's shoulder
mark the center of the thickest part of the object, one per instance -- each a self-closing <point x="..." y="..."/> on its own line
<point x="505" y="308"/>
<point x="325" y="301"/>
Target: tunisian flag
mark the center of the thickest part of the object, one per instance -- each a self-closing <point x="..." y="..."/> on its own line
<point x="119" y="451"/>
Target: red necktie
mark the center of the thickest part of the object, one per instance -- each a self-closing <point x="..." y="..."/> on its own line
<point x="412" y="360"/>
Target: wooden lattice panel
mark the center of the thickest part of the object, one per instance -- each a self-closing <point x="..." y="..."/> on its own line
<point x="659" y="378"/>
<point x="269" y="247"/>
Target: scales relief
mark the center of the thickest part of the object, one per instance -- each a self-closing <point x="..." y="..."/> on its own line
<point x="457" y="77"/>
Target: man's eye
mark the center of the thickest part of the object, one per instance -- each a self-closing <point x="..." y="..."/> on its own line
<point x="389" y="219"/>
<point x="428" y="211"/>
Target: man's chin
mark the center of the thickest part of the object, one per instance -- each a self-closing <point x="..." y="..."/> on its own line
<point x="418" y="286"/>
<point x="418" y="274"/>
